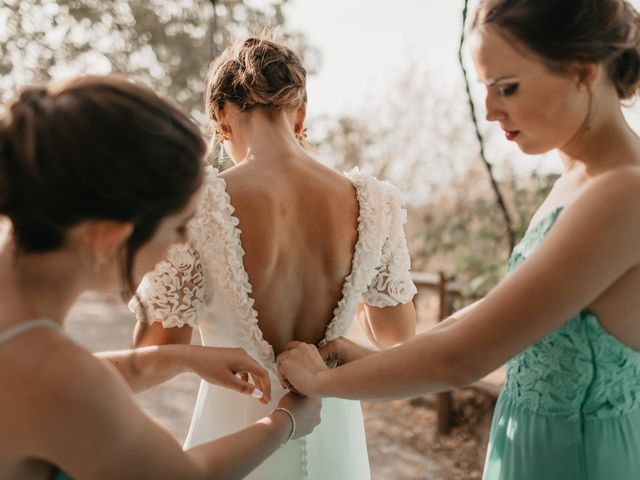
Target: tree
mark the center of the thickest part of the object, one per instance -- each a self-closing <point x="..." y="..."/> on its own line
<point x="499" y="197"/>
<point x="165" y="44"/>
<point x="419" y="137"/>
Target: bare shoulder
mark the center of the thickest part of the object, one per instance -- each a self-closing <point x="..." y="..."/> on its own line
<point x="72" y="375"/>
<point x="615" y="193"/>
<point x="604" y="219"/>
<point x="52" y="384"/>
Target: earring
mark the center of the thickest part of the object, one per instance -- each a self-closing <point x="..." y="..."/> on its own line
<point x="220" y="135"/>
<point x="220" y="138"/>
<point x="301" y="134"/>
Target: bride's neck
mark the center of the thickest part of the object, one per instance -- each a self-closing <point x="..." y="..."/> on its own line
<point x="269" y="137"/>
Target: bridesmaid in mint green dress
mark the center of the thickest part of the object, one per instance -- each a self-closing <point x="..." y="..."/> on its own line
<point x="566" y="319"/>
<point x="570" y="408"/>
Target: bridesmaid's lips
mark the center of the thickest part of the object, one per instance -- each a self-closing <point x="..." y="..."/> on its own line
<point x="511" y="135"/>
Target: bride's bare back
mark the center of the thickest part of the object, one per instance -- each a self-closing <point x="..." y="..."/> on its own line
<point x="298" y="220"/>
<point x="298" y="223"/>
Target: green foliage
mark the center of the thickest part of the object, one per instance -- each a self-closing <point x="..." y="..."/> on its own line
<point x="166" y="44"/>
<point x="466" y="236"/>
<point x="420" y="138"/>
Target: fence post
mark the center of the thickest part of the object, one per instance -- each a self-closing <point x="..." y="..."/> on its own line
<point x="443" y="400"/>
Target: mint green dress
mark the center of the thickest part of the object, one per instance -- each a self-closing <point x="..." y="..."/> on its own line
<point x="570" y="407"/>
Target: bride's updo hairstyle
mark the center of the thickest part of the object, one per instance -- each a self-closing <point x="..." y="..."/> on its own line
<point x="256" y="73"/>
<point x="605" y="32"/>
<point x="95" y="148"/>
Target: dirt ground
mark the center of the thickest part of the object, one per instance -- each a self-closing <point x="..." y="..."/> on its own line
<point x="401" y="435"/>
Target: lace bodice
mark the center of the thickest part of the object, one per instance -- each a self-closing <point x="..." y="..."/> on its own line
<point x="580" y="370"/>
<point x="204" y="281"/>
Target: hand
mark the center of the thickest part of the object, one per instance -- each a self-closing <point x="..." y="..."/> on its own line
<point x="231" y="368"/>
<point x="305" y="410"/>
<point x="301" y="367"/>
<point x="342" y="350"/>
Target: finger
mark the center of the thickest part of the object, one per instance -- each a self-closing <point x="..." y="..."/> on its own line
<point x="284" y="356"/>
<point x="287" y="384"/>
<point x="291" y="388"/>
<point x="293" y="344"/>
<point x="259" y="375"/>
<point x="282" y="378"/>
<point x="263" y="382"/>
<point x="326" y="352"/>
<point x="240" y="385"/>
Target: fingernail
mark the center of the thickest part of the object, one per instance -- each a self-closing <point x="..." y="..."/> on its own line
<point x="256" y="393"/>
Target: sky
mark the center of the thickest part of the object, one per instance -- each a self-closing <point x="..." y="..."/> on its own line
<point x="365" y="43"/>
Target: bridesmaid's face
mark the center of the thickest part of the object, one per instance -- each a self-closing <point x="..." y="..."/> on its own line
<point x="537" y="108"/>
<point x="171" y="230"/>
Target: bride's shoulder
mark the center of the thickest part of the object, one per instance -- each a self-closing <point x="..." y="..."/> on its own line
<point x="213" y="191"/>
<point x="382" y="191"/>
<point x="214" y="208"/>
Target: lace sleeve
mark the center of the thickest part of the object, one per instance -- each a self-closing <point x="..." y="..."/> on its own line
<point x="173" y="293"/>
<point x="392" y="284"/>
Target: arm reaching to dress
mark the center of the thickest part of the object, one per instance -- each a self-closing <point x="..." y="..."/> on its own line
<point x="121" y="441"/>
<point x="589" y="248"/>
<point x="168" y="304"/>
<point x="146" y="367"/>
<point x="342" y="350"/>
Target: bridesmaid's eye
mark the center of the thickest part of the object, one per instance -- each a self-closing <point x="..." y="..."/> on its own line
<point x="507" y="90"/>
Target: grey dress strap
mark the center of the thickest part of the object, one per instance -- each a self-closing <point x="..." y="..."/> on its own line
<point x="27" y="326"/>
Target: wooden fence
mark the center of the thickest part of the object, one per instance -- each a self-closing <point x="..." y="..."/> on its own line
<point x="448" y="291"/>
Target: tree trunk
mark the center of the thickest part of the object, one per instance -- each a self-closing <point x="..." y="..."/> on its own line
<point x="494" y="184"/>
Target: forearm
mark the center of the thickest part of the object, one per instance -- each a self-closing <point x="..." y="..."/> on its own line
<point x="235" y="456"/>
<point x="146" y="367"/>
<point x="420" y="366"/>
<point x="455" y="317"/>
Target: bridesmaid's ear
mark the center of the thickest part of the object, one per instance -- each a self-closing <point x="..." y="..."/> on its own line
<point x="588" y="74"/>
<point x="99" y="239"/>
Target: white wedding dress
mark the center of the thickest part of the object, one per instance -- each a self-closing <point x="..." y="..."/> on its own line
<point x="204" y="283"/>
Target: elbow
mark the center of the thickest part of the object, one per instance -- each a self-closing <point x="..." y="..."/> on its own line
<point x="461" y="372"/>
<point x="141" y="337"/>
<point x="396" y="335"/>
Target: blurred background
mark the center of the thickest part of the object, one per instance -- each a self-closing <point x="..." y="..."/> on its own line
<point x="386" y="93"/>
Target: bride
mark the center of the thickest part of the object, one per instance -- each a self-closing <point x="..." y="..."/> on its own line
<point x="281" y="248"/>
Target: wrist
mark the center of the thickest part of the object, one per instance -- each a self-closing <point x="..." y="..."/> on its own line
<point x="282" y="425"/>
<point x="322" y="382"/>
<point x="179" y="357"/>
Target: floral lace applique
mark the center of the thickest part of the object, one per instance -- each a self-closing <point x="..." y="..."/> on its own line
<point x="380" y="265"/>
<point x="579" y="370"/>
<point x="174" y="292"/>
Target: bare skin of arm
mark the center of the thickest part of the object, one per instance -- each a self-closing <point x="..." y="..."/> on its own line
<point x="147" y="334"/>
<point x="388" y="326"/>
<point x="342" y="350"/>
<point x="590" y="247"/>
<point x="146" y="367"/>
<point x="95" y="430"/>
